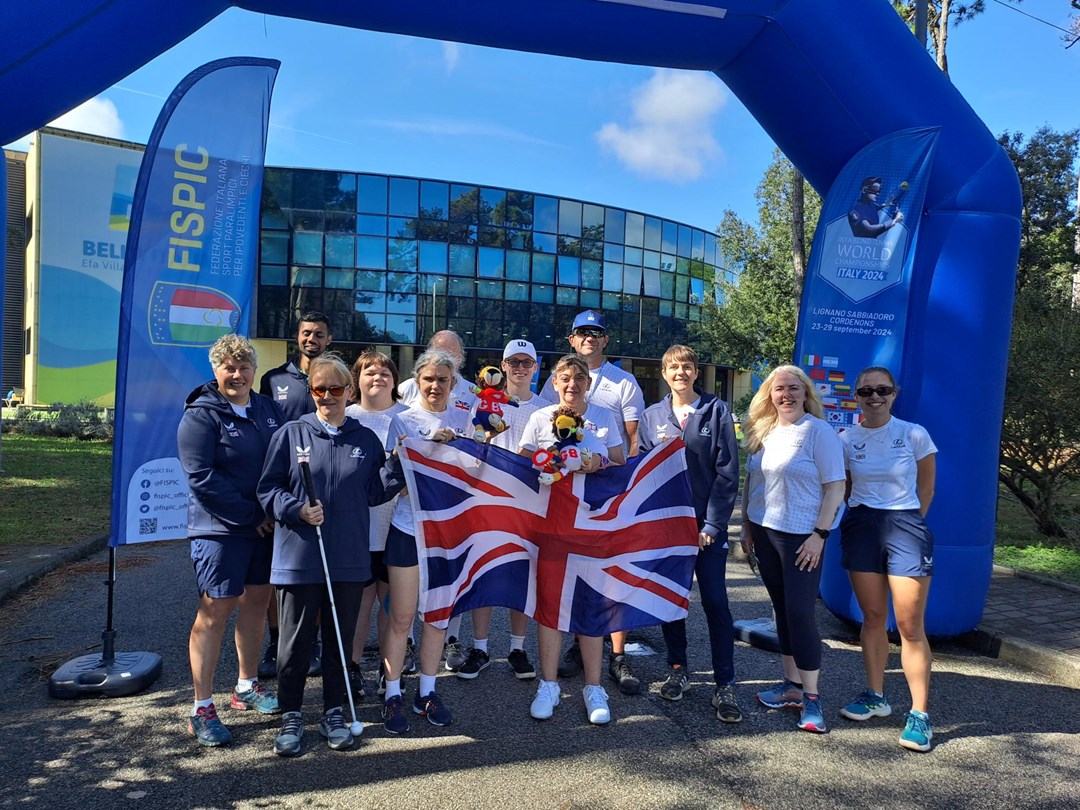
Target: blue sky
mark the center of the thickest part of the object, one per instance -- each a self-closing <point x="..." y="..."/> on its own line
<point x="675" y="144"/>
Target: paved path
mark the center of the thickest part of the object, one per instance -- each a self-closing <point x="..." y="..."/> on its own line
<point x="1005" y="737"/>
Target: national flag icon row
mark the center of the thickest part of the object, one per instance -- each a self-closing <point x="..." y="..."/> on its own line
<point x="820" y="360"/>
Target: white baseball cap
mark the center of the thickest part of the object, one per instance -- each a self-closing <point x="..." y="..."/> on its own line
<point x="519" y="346"/>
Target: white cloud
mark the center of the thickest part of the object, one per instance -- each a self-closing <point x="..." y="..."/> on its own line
<point x="97" y="116"/>
<point x="669" y="136"/>
<point x="451" y="53"/>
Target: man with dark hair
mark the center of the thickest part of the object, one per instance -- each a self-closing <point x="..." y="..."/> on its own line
<point x="868" y="218"/>
<point x="287" y="384"/>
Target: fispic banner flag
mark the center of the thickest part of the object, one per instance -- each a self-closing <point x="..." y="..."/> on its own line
<point x="858" y="288"/>
<point x="189" y="278"/>
<point x="613" y="550"/>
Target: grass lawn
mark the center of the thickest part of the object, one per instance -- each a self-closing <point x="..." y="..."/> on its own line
<point x="53" y="490"/>
<point x="1020" y="546"/>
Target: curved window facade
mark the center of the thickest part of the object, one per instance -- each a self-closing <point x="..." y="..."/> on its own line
<point x="393" y="259"/>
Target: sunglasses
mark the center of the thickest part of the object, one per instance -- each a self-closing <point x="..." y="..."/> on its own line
<point x="881" y="391"/>
<point x="589" y="333"/>
<point x="333" y="390"/>
<point x="521" y="363"/>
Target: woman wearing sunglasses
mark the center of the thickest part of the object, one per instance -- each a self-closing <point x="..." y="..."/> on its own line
<point x="435" y="417"/>
<point x="346" y="461"/>
<point x="887" y="548"/>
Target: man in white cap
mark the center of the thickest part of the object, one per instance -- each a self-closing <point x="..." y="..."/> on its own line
<point x="447" y="340"/>
<point x="518" y="367"/>
<point x="617" y="390"/>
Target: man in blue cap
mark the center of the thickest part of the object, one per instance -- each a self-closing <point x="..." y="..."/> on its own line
<point x="617" y="390"/>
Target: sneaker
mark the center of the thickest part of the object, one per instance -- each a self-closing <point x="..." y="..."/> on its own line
<point x="475" y="663"/>
<point x="596" y="705"/>
<point x="521" y="665"/>
<point x="356" y="681"/>
<point x="432" y="707"/>
<point x="258" y="697"/>
<point x="207" y="728"/>
<point x="335" y="730"/>
<point x="571" y="663"/>
<point x="408" y="664"/>
<point x="675" y="685"/>
<point x="287" y="743"/>
<point x="454" y="653"/>
<point x="727" y="709"/>
<point x="393" y="715"/>
<point x="866" y="705"/>
<point x="547" y="698"/>
<point x="314" y="669"/>
<point x="619" y="670"/>
<point x="917" y="732"/>
<point x="812" y="717"/>
<point x="268" y="663"/>
<point x="784" y="696"/>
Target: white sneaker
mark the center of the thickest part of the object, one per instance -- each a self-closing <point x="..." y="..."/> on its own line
<point x="596" y="705"/>
<point x="547" y="698"/>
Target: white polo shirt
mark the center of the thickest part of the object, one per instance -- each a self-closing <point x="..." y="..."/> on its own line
<point x="883" y="463"/>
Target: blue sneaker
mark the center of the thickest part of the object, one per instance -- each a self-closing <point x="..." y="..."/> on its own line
<point x="783" y="696"/>
<point x="812" y="718"/>
<point x="287" y="743"/>
<point x="432" y="707"/>
<point x="335" y="730"/>
<point x="258" y="697"/>
<point x="393" y="715"/>
<point x="917" y="733"/>
<point x="866" y="705"/>
<point x="207" y="728"/>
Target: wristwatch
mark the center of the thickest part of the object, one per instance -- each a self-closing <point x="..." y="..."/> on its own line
<point x="822" y="533"/>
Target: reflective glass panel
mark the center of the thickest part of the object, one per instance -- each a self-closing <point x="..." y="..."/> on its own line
<point x="458" y="306"/>
<point x="490" y="289"/>
<point x="682" y="288"/>
<point x="697" y="290"/>
<point x="403" y="227"/>
<point x="370" y="225"/>
<point x="463" y="204"/>
<point x="401" y="328"/>
<point x="710" y="248"/>
<point x="667" y="286"/>
<point x="569" y="271"/>
<point x="462" y="260"/>
<point x="340" y="191"/>
<point x="543" y="268"/>
<point x="277" y="188"/>
<point x="682" y="266"/>
<point x="371" y="252"/>
<point x="492" y="236"/>
<point x="463" y="287"/>
<point x="404" y="194"/>
<point x="340" y="250"/>
<point x="371" y="194"/>
<point x="401" y="283"/>
<point x="635" y="229"/>
<point x="371" y="322"/>
<point x="273" y="275"/>
<point x="546" y="214"/>
<point x="612" y="302"/>
<point x="401" y="303"/>
<point x="544" y="242"/>
<point x="590" y="274"/>
<point x="307" y="248"/>
<point x="431" y="230"/>
<point x="303" y="220"/>
<point x="612" y="277"/>
<point x="633" y="256"/>
<point x="371" y="280"/>
<point x="651" y="259"/>
<point x="590" y="298"/>
<point x="434" y="200"/>
<point x="517" y="265"/>
<point x="306" y="277"/>
<point x="569" y="218"/>
<point x="652" y="282"/>
<point x="519" y="209"/>
<point x="567" y="296"/>
<point x="685" y="239"/>
<point x="402" y="255"/>
<point x="433" y="257"/>
<point x="273" y="217"/>
<point x="613" y="252"/>
<point x="653" y="234"/>
<point x="491" y="262"/>
<point x="492" y="206"/>
<point x="632" y="279"/>
<point x="697" y="248"/>
<point x="274" y="247"/>
<point x="339" y="279"/>
<point x="667" y="262"/>
<point x="366" y="301"/>
<point x="666" y="307"/>
<point x="615" y="225"/>
<point x="516" y="291"/>
<point x="543" y="293"/>
<point x="341" y="223"/>
<point x="592" y="222"/>
<point x="309" y="189"/>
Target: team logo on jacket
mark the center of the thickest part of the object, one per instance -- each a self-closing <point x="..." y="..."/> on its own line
<point x="282" y="392"/>
<point x="358" y="453"/>
<point x="231" y="428"/>
<point x="897" y="442"/>
<point x="705" y="431"/>
<point x="271" y="422"/>
<point x="860" y="446"/>
<point x="303" y="454"/>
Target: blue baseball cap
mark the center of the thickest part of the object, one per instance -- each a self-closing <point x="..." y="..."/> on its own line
<point x="589" y="319"/>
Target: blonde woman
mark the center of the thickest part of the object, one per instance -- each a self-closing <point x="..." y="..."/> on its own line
<point x="794" y="488"/>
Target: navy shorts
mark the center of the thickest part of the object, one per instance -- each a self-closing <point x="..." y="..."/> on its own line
<point x="400" y="549"/>
<point x="886" y="541"/>
<point x="378" y="566"/>
<point x="224" y="565"/>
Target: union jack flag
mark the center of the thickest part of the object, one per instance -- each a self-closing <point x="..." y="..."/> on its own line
<point x="612" y="550"/>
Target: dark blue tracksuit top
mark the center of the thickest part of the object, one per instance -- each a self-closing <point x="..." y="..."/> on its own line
<point x="222" y="454"/>
<point x="348" y="474"/>
<point x="287" y="385"/>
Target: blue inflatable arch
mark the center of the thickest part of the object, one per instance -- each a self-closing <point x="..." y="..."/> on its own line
<point x="808" y="70"/>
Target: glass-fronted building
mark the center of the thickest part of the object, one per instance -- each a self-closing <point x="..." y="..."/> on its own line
<point x="391" y="260"/>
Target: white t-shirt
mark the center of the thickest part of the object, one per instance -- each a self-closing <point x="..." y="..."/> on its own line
<point x="409" y="392"/>
<point x="785" y="477"/>
<point x="882" y="463"/>
<point x="601" y="430"/>
<point x="418" y="423"/>
<point x="612" y="388"/>
<point x="378" y="422"/>
<point x="516" y="419"/>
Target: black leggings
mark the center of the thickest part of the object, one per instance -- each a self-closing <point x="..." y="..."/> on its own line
<point x="793" y="594"/>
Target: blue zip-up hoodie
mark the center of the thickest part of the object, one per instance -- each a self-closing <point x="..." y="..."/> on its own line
<point x="287" y="385"/>
<point x="348" y="475"/>
<point x="223" y="454"/>
<point x="712" y="456"/>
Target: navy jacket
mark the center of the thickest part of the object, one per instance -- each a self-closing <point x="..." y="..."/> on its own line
<point x="287" y="385"/>
<point x="222" y="454"/>
<point x="348" y="474"/>
<point x="712" y="456"/>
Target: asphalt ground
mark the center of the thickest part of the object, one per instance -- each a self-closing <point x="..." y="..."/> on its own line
<point x="1003" y="737"/>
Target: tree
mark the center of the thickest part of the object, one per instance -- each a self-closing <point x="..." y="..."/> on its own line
<point x="750" y="322"/>
<point x="940" y="15"/>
